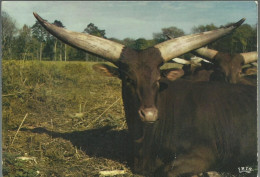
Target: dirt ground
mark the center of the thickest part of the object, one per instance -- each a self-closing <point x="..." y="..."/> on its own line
<point x="62" y="119"/>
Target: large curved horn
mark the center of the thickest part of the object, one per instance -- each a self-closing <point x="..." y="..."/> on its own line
<point x="109" y="50"/>
<point x="249" y="57"/>
<point x="178" y="46"/>
<point x="206" y="53"/>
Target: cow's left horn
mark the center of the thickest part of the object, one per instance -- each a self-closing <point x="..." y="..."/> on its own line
<point x="109" y="50"/>
<point x="178" y="46"/>
<point x="249" y="57"/>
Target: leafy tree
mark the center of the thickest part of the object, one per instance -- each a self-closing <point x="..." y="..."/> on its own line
<point x="76" y="54"/>
<point x="39" y="33"/>
<point x="48" y="53"/>
<point x="94" y="30"/>
<point x="58" y="23"/>
<point x="170" y="31"/>
<point x="253" y="39"/>
<point x="243" y="39"/>
<point x="58" y="42"/>
<point x="45" y="42"/>
<point x="9" y="30"/>
<point x="33" y="49"/>
<point x="116" y="40"/>
<point x="203" y="28"/>
<point x="22" y="47"/>
<point x="140" y="44"/>
<point x="129" y="42"/>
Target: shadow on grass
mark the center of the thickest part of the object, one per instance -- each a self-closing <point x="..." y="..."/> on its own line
<point x="107" y="143"/>
<point x="102" y="142"/>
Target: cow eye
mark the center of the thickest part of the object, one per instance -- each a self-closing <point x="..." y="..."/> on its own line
<point x="163" y="86"/>
<point x="129" y="80"/>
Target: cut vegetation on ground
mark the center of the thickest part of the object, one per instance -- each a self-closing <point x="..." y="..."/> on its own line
<point x="75" y="123"/>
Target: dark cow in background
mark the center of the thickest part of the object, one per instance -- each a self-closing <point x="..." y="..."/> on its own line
<point x="207" y="71"/>
<point x="222" y="66"/>
<point x="195" y="69"/>
<point x="177" y="127"/>
<point x="227" y="67"/>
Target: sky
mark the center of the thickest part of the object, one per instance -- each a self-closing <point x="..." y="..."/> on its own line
<point x="134" y="19"/>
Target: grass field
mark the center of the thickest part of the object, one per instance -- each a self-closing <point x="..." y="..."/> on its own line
<point x="74" y="120"/>
<point x="62" y="119"/>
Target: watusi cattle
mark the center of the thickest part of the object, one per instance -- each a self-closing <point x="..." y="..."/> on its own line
<point x="229" y="65"/>
<point x="176" y="127"/>
<point x="220" y="66"/>
<point x="205" y="71"/>
<point x="196" y="69"/>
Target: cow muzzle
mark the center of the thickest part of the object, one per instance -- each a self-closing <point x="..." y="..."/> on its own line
<point x="148" y="115"/>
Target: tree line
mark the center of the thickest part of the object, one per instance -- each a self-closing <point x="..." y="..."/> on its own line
<point x="35" y="43"/>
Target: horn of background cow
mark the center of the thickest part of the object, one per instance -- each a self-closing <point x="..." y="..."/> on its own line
<point x="249" y="57"/>
<point x="205" y="53"/>
<point x="108" y="50"/>
<point x="178" y="46"/>
<point x="181" y="61"/>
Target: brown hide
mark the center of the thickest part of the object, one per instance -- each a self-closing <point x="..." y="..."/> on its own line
<point x="211" y="126"/>
<point x="230" y="65"/>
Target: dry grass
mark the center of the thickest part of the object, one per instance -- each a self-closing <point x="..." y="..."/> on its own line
<point x="75" y="125"/>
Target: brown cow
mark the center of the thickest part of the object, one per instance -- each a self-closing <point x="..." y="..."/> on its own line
<point x="205" y="71"/>
<point x="229" y="65"/>
<point x="195" y="69"/>
<point x="177" y="127"/>
<point x="225" y="67"/>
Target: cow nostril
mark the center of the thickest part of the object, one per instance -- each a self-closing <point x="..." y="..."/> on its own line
<point x="148" y="114"/>
<point x="142" y="114"/>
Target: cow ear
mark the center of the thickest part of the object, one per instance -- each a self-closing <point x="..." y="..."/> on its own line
<point x="106" y="70"/>
<point x="172" y="74"/>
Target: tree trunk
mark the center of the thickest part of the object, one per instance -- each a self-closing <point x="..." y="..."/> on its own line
<point x="41" y="52"/>
<point x="61" y="52"/>
<point x="25" y="54"/>
<point x="55" y="50"/>
<point x="37" y="54"/>
<point x="65" y="55"/>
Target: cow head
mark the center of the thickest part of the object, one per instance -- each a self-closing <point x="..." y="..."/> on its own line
<point x="141" y="77"/>
<point x="139" y="70"/>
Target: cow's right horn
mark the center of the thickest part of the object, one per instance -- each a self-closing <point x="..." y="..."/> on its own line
<point x="109" y="50"/>
<point x="249" y="57"/>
